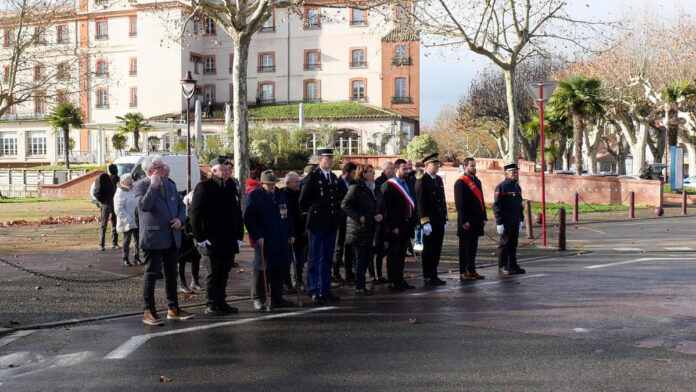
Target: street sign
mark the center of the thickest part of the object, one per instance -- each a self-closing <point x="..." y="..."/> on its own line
<point x="676" y="171"/>
<point x="547" y="88"/>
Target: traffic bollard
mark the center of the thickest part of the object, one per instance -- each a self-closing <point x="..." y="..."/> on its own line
<point x="684" y="202"/>
<point x="561" y="229"/>
<point x="528" y="219"/>
<point x="575" y="207"/>
<point x="632" y="205"/>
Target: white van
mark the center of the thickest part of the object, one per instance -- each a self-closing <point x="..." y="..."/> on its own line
<point x="177" y="163"/>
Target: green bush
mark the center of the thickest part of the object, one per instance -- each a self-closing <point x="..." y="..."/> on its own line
<point x="421" y="146"/>
<point x="263" y="151"/>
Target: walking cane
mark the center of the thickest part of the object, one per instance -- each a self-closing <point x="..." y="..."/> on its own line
<point x="297" y="275"/>
<point x="265" y="283"/>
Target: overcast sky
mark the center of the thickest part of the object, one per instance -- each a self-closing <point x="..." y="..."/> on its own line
<point x="444" y="81"/>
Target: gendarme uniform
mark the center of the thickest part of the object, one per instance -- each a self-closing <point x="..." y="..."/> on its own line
<point x="432" y="209"/>
<point x="509" y="212"/>
<point x="320" y="200"/>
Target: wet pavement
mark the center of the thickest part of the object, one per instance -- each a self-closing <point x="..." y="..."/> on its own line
<point x="599" y="321"/>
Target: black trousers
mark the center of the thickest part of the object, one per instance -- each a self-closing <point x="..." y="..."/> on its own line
<point x="127" y="236"/>
<point x="432" y="247"/>
<point x="300" y="253"/>
<point x="156" y="262"/>
<point x="375" y="265"/>
<point x="468" y="246"/>
<point x="108" y="214"/>
<point x="507" y="247"/>
<point x="363" y="257"/>
<point x="396" y="254"/>
<point x="195" y="268"/>
<point x="218" y="268"/>
<point x="274" y="278"/>
<point x="343" y="253"/>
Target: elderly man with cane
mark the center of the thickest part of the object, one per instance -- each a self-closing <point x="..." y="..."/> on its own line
<point x="217" y="224"/>
<point x="270" y="226"/>
<point x="161" y="214"/>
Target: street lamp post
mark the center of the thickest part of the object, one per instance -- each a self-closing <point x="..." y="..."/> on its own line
<point x="188" y="88"/>
<point x="541" y="92"/>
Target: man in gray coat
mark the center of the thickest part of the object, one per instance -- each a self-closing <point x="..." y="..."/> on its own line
<point x="161" y="213"/>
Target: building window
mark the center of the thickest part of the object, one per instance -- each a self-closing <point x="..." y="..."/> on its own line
<point x="39" y="71"/>
<point x="209" y="26"/>
<point x="8" y="38"/>
<point x="400" y="91"/>
<point x="269" y="25"/>
<point x="8" y="143"/>
<point x="401" y="12"/>
<point x="266" y="93"/>
<point x="401" y="56"/>
<point x="209" y="93"/>
<point x="62" y="71"/>
<point x="357" y="58"/>
<point x="312" y="92"/>
<point x="312" y="60"/>
<point x="6" y="74"/>
<point x="40" y="103"/>
<point x="358" y="17"/>
<point x="102" y="98"/>
<point x="39" y="36"/>
<point x="231" y="63"/>
<point x="61" y="143"/>
<point x="196" y="59"/>
<point x="133" y="31"/>
<point x="61" y="96"/>
<point x="133" y="97"/>
<point x="101" y="68"/>
<point x="61" y="34"/>
<point x="36" y="143"/>
<point x="266" y="62"/>
<point x="133" y="71"/>
<point x="357" y="88"/>
<point x="169" y="139"/>
<point x="347" y="142"/>
<point x="312" y="19"/>
<point x="102" y="29"/>
<point x="209" y="66"/>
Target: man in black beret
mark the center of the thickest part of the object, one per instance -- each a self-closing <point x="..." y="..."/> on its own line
<point x="509" y="218"/>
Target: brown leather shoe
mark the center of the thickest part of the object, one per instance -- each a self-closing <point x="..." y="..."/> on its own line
<point x="177" y="314"/>
<point x="151" y="318"/>
<point x="470" y="276"/>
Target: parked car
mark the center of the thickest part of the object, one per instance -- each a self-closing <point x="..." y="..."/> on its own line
<point x="632" y="176"/>
<point x="177" y="163"/>
<point x="690" y="182"/>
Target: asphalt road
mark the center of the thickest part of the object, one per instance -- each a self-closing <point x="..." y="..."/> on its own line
<point x="609" y="320"/>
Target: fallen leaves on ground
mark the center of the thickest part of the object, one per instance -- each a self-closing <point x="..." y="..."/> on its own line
<point x="61" y="220"/>
<point x="414" y="321"/>
<point x="663" y="360"/>
<point x="163" y="379"/>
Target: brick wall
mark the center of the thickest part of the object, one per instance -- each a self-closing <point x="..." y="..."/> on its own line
<point x="77" y="188"/>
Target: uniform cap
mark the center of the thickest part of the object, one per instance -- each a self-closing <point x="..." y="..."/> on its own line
<point x="435" y="157"/>
<point x="325" y="152"/>
<point x="510" y="166"/>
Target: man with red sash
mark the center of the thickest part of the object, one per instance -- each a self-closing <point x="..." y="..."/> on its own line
<point x="471" y="219"/>
<point x="399" y="222"/>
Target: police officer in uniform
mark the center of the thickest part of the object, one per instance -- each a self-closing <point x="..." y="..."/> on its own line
<point x="432" y="210"/>
<point x="509" y="219"/>
<point x="319" y="199"/>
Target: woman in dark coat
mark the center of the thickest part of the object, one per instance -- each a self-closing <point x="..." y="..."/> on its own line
<point x="364" y="208"/>
<point x="270" y="226"/>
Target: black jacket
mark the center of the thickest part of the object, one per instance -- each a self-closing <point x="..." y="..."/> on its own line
<point x="396" y="209"/>
<point x="381" y="180"/>
<point x="216" y="216"/>
<point x="469" y="208"/>
<point x="105" y="188"/>
<point x="361" y="201"/>
<point x="508" y="208"/>
<point x="298" y="220"/>
<point x="342" y="192"/>
<point x="321" y="201"/>
<point x="430" y="200"/>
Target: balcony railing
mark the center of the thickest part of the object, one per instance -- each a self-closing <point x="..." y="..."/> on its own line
<point x="312" y="100"/>
<point x="358" y="23"/>
<point x="359" y="98"/>
<point x="312" y="25"/>
<point x="312" y="67"/>
<point x="23" y="116"/>
<point x="401" y="100"/>
<point x="358" y="64"/>
<point x="209" y="71"/>
<point x="266" y="68"/>
<point x="402" y="60"/>
<point x="268" y="29"/>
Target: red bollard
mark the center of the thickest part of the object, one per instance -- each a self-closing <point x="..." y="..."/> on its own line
<point x="528" y="219"/>
<point x="684" y="202"/>
<point x="632" y="206"/>
<point x="575" y="207"/>
<point x="561" y="229"/>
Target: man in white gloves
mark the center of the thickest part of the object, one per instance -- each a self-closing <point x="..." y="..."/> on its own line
<point x="509" y="218"/>
<point x="218" y="227"/>
<point x="432" y="210"/>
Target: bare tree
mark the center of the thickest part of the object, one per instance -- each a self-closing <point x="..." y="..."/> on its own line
<point x="505" y="31"/>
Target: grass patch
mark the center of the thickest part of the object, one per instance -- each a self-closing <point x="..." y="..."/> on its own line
<point x="31" y="210"/>
<point x="22" y="200"/>
<point x="317" y="110"/>
<point x="552" y="208"/>
<point x="689" y="191"/>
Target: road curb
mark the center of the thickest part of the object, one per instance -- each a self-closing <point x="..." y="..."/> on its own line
<point x="5" y="331"/>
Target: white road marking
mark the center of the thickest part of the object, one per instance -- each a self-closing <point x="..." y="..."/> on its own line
<point x="136" y="341"/>
<point x="637" y="261"/>
<point x="581" y="330"/>
<point x="628" y="249"/>
<point x="477" y="284"/>
<point x="678" y="248"/>
<point x="16" y="335"/>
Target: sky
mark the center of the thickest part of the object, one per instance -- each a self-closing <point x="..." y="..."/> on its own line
<point x="444" y="79"/>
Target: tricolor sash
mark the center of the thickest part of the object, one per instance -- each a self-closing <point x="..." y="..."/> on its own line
<point x="404" y="193"/>
<point x="477" y="191"/>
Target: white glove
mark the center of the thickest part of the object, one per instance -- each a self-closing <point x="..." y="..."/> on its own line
<point x="500" y="229"/>
<point x="446" y="224"/>
<point x="521" y="224"/>
<point x="205" y="243"/>
<point x="427" y="229"/>
<point x="239" y="243"/>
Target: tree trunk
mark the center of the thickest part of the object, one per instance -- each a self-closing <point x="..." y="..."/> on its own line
<point x="136" y="140"/>
<point x="66" y="146"/>
<point x="638" y="148"/>
<point x="591" y="141"/>
<point x="500" y="142"/>
<point x="577" y="140"/>
<point x="513" y="123"/>
<point x="567" y="154"/>
<point x="240" y="123"/>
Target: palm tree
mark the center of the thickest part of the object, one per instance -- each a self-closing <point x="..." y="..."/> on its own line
<point x="135" y="123"/>
<point x="554" y="127"/>
<point x="578" y="97"/>
<point x="62" y="117"/>
<point x="671" y="95"/>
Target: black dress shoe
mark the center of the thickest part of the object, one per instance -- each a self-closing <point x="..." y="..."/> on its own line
<point x="363" y="292"/>
<point x="282" y="303"/>
<point x="212" y="311"/>
<point x="428" y="282"/>
<point x="127" y="263"/>
<point x="407" y="286"/>
<point x="518" y="269"/>
<point x="330" y="297"/>
<point x="382" y="280"/>
<point x="438" y="282"/>
<point x="395" y="287"/>
<point x="259" y="305"/>
<point x="227" y="309"/>
<point x="506" y="271"/>
<point x="316" y="299"/>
